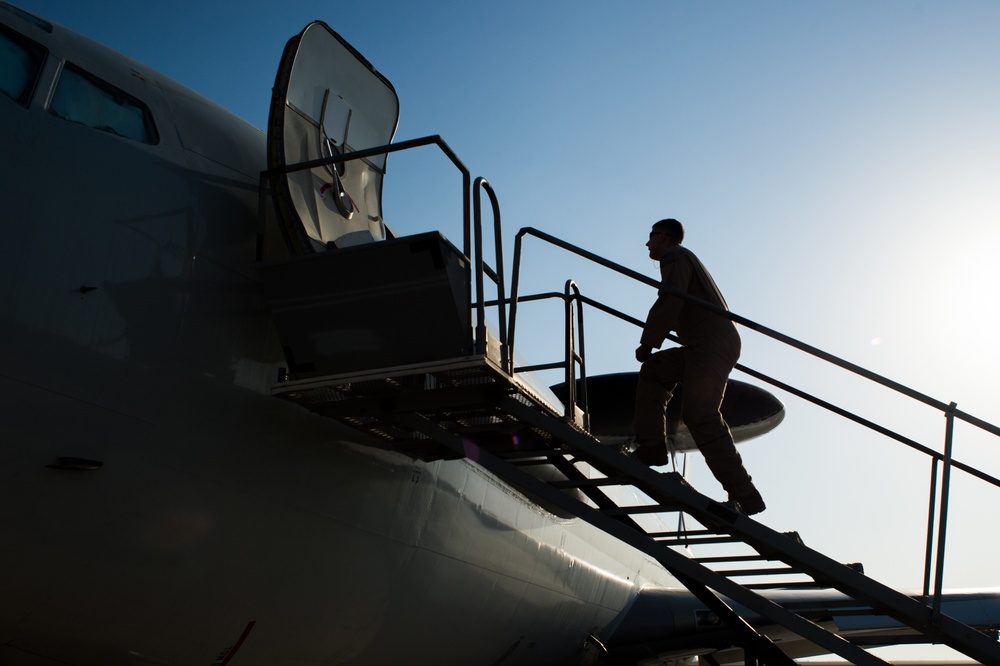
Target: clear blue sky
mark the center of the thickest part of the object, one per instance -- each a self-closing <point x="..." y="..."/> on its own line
<point x="836" y="164"/>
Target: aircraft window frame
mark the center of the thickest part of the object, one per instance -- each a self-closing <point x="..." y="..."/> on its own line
<point x="32" y="61"/>
<point x="83" y="98"/>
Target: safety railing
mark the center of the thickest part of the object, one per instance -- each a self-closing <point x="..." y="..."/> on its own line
<point x="472" y="241"/>
<point x="574" y="363"/>
<point x="942" y="463"/>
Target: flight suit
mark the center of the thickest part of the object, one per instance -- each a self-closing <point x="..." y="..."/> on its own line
<point x="709" y="351"/>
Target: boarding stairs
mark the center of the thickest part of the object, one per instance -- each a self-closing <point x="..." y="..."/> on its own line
<point x="470" y="401"/>
<point x="470" y="408"/>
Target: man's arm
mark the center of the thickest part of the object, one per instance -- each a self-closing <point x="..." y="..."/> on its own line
<point x="675" y="273"/>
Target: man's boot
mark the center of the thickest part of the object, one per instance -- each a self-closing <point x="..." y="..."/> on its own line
<point x="749" y="500"/>
<point x="726" y="465"/>
<point x="652" y="454"/>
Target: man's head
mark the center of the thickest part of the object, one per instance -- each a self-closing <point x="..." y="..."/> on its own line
<point x="664" y="235"/>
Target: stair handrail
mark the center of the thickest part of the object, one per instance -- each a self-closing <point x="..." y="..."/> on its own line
<point x="756" y="374"/>
<point x="935" y="544"/>
<point x="571" y="357"/>
<point x="743" y="321"/>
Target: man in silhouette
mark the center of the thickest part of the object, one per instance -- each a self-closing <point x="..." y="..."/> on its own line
<point x="710" y="347"/>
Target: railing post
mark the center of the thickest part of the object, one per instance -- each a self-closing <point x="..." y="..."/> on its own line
<point x="931" y="505"/>
<point x="582" y="358"/>
<point x="506" y="357"/>
<point x="570" y="353"/>
<point x="477" y="268"/>
<point x="943" y="515"/>
<point x="574" y="332"/>
<point x="514" y="286"/>
<point x="506" y="353"/>
<point x="467" y="245"/>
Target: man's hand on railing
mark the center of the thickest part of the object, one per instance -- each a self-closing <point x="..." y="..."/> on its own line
<point x="643" y="352"/>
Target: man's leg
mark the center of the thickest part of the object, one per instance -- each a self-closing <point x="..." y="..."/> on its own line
<point x="657" y="380"/>
<point x="704" y="387"/>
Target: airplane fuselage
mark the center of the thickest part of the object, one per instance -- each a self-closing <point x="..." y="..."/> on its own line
<point x="159" y="506"/>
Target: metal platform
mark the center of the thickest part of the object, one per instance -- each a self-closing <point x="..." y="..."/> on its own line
<point x="463" y="396"/>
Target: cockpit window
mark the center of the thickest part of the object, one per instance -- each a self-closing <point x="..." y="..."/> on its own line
<point x="81" y="97"/>
<point x="20" y="62"/>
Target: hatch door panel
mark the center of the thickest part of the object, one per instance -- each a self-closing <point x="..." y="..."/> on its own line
<point x="328" y="100"/>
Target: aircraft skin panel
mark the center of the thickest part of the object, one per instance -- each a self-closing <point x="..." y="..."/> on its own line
<point x="198" y="532"/>
<point x="226" y="152"/>
<point x="139" y="331"/>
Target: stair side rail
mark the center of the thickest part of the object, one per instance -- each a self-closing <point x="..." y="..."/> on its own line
<point x="935" y="543"/>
